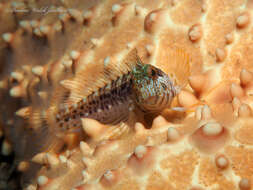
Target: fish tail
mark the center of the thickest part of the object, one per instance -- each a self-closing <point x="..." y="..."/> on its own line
<point x="42" y="134"/>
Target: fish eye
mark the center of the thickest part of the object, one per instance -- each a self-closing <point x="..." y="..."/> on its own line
<point x="153" y="73"/>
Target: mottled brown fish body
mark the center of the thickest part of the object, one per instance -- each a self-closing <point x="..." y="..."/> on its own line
<point x="108" y="105"/>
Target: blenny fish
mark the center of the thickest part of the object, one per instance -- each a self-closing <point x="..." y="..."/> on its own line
<point x="107" y="93"/>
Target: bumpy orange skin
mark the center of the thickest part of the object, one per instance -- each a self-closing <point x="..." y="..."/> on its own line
<point x="210" y="145"/>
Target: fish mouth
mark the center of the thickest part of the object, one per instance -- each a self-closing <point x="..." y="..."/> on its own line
<point x="155" y="104"/>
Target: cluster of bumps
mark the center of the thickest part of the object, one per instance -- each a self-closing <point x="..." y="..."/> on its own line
<point x="209" y="147"/>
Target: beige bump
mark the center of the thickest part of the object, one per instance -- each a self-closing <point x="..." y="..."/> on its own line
<point x="244" y="184"/>
<point x="34" y="23"/>
<point x="63" y="17"/>
<point x="204" y="7"/>
<point x="236" y="103"/>
<point x="109" y="175"/>
<point x="150" y="49"/>
<point x="23" y="166"/>
<point x="140" y="151"/>
<point x="212" y="129"/>
<point x="236" y="90"/>
<point x="243" y="20"/>
<point x="31" y="187"/>
<point x="16" y="91"/>
<point x="198" y="112"/>
<point x="39" y="158"/>
<point x="74" y="54"/>
<point x="94" y="41"/>
<point x="38" y="70"/>
<point x="116" y="8"/>
<point x="87" y="15"/>
<point x="37" y="32"/>
<point x="86" y="150"/>
<point x="244" y="111"/>
<point x="43" y="95"/>
<point x="23" y="112"/>
<point x="137" y="9"/>
<point x="187" y="99"/>
<point x="67" y="63"/>
<point x="197" y="82"/>
<point x="173" y="134"/>
<point x="85" y="174"/>
<point x="195" y="33"/>
<point x="24" y="24"/>
<point x="63" y="159"/>
<point x="173" y="2"/>
<point x="245" y="77"/>
<point x="229" y="38"/>
<point x="152" y="16"/>
<point x="42" y="180"/>
<point x="7" y="37"/>
<point x="52" y="159"/>
<point x="57" y="26"/>
<point x="17" y="76"/>
<point x="86" y="161"/>
<point x="220" y="54"/>
<point x="221" y="162"/>
<point x="93" y="128"/>
<point x="159" y="121"/>
<point x="44" y="29"/>
<point x="75" y="14"/>
<point x="139" y="128"/>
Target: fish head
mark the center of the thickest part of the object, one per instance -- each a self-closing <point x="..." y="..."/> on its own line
<point x="153" y="89"/>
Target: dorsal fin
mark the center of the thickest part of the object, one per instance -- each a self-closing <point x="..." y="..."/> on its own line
<point x="96" y="76"/>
